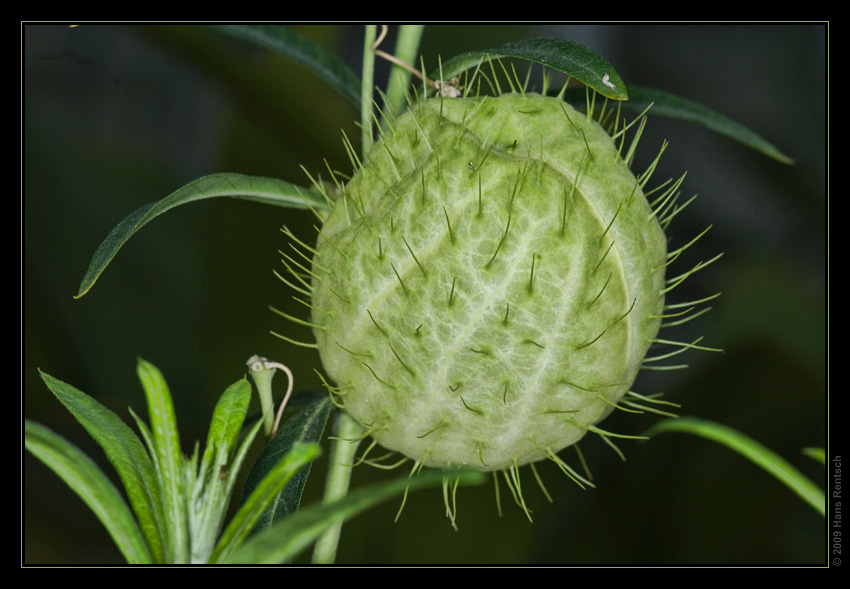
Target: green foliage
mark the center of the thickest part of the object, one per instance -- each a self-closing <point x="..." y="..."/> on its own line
<point x="771" y="462"/>
<point x="264" y="190"/>
<point x="178" y="502"/>
<point x="565" y="56"/>
<point x="568" y="57"/>
<point x="307" y="425"/>
<point x="282" y="542"/>
<point x="88" y="481"/>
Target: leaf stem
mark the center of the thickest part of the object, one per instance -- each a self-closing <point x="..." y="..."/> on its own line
<point x="347" y="434"/>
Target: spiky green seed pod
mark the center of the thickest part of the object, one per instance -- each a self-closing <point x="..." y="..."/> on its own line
<point x="488" y="283"/>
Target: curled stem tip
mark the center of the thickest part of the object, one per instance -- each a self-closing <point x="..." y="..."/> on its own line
<point x="262" y="371"/>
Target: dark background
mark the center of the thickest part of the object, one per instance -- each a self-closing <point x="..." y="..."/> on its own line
<point x="118" y="116"/>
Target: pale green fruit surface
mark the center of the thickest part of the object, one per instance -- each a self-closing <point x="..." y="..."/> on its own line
<point x="489" y="282"/>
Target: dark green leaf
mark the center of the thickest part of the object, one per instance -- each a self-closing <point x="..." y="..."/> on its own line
<point x="306" y="426"/>
<point x="590" y="68"/>
<point x="568" y="57"/>
<point x="669" y="105"/>
<point x="253" y="188"/>
<point x="304" y="51"/>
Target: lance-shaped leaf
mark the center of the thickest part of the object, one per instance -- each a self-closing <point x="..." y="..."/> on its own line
<point x="227" y="420"/>
<point x="169" y="461"/>
<point x="311" y="55"/>
<point x="213" y="491"/>
<point x="669" y="105"/>
<point x="93" y="487"/>
<point x="286" y="539"/>
<point x="568" y="57"/>
<point x="124" y="451"/>
<point x="763" y="457"/>
<point x="252" y="188"/>
<point x="213" y="482"/>
<point x="264" y="494"/>
<point x="306" y="426"/>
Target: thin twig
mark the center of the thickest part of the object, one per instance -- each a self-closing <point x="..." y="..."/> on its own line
<point x="288" y="392"/>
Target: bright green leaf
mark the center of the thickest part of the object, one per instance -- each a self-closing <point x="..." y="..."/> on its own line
<point x="213" y="490"/>
<point x="169" y="460"/>
<point x="568" y="57"/>
<point x="88" y="481"/>
<point x="753" y="451"/>
<point x="124" y="451"/>
<point x="252" y="188"/>
<point x="818" y="454"/>
<point x="212" y="484"/>
<point x="287" y="539"/>
<point x="264" y="494"/>
<point x="228" y="417"/>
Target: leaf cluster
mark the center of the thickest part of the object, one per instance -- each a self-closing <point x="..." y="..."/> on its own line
<point x="176" y="503"/>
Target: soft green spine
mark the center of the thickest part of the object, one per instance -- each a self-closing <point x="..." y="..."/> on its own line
<point x="489" y="282"/>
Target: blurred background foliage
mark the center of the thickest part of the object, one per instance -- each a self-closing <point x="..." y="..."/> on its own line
<point x="118" y="116"/>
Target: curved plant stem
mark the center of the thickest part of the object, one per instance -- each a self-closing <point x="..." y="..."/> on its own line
<point x="347" y="434"/>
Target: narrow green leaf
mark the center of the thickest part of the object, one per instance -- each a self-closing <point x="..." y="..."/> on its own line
<point x="213" y="492"/>
<point x="169" y="461"/>
<point x="239" y="457"/>
<point x="568" y="57"/>
<point x="227" y="420"/>
<point x="93" y="487"/>
<point x="669" y="105"/>
<point x="264" y="494"/>
<point x="771" y="462"/>
<point x="212" y="484"/>
<point x="590" y="68"/>
<point x="818" y="454"/>
<point x="252" y="188"/>
<point x="311" y="55"/>
<point x="287" y="539"/>
<point x="306" y="426"/>
<point x="125" y="452"/>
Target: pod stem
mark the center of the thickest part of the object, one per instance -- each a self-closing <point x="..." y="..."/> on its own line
<point x="367" y="86"/>
<point x="347" y="436"/>
<point x="406" y="50"/>
<point x="407" y="47"/>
